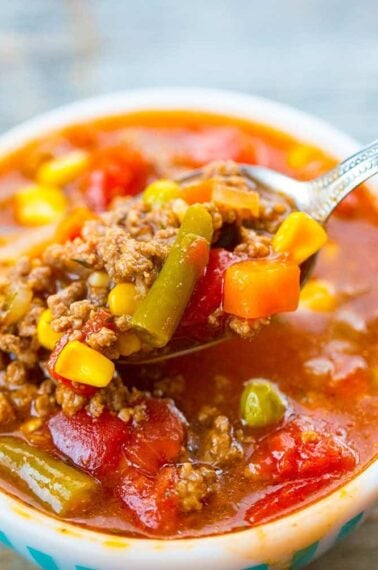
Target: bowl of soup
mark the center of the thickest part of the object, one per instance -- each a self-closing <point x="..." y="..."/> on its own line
<point x="258" y="452"/>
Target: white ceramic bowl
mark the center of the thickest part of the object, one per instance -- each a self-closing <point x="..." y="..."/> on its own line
<point x="290" y="542"/>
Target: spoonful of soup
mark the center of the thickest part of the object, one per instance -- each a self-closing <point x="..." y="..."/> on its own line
<point x="230" y="278"/>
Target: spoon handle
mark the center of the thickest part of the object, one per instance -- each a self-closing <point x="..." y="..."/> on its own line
<point x="329" y="190"/>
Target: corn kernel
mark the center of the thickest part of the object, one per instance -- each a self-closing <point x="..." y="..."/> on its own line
<point x="179" y="207"/>
<point x="62" y="170"/>
<point x="128" y="343"/>
<point x="161" y="191"/>
<point x="300" y="236"/>
<point x="16" y="302"/>
<point x="37" y="205"/>
<point x="80" y="363"/>
<point x="301" y="155"/>
<point x="31" y="425"/>
<point x="99" y="279"/>
<point x="318" y="295"/>
<point x="47" y="337"/>
<point x="123" y="299"/>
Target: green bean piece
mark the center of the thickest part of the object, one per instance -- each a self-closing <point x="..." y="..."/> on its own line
<point x="160" y="312"/>
<point x="262" y="404"/>
<point x="63" y="489"/>
<point x="197" y="220"/>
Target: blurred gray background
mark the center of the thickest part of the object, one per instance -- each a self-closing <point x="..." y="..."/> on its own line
<point x="318" y="55"/>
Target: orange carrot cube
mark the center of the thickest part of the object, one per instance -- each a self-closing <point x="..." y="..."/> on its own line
<point x="261" y="288"/>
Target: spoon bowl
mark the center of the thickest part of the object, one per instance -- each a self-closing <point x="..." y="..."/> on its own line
<point x="317" y="197"/>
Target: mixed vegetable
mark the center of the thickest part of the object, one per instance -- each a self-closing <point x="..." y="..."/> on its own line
<point x="59" y="486"/>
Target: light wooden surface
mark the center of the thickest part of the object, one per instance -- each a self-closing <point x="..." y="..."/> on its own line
<point x="318" y="55"/>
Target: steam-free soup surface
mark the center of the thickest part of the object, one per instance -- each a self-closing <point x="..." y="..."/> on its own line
<point x="171" y="449"/>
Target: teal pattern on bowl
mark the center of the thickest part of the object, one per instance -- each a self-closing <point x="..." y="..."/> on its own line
<point x="300" y="559"/>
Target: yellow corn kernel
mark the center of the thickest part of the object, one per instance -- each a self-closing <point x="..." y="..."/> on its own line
<point x="99" y="279"/>
<point x="31" y="425"/>
<point x="80" y="363"/>
<point x="301" y="155"/>
<point x="62" y="170"/>
<point x="37" y="205"/>
<point x="161" y="191"/>
<point x="123" y="299"/>
<point x="300" y="236"/>
<point x="47" y="337"/>
<point x="179" y="207"/>
<point x="16" y="302"/>
<point x="318" y="295"/>
<point x="128" y="343"/>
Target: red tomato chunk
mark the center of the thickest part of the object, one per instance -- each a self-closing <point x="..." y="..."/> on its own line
<point x="116" y="171"/>
<point x="208" y="295"/>
<point x="102" y="319"/>
<point x="286" y="496"/>
<point x="302" y="449"/>
<point x="151" y="500"/>
<point x="222" y="143"/>
<point x="156" y="439"/>
<point x="91" y="443"/>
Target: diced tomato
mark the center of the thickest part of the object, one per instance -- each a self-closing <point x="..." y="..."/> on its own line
<point x="54" y="355"/>
<point x="156" y="439"/>
<point x="289" y="495"/>
<point x="220" y="143"/>
<point x="91" y="443"/>
<point x="208" y="294"/>
<point x="102" y="319"/>
<point x="118" y="170"/>
<point x="302" y="449"/>
<point x="151" y="500"/>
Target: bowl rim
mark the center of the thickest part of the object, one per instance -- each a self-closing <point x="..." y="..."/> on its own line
<point x="223" y="102"/>
<point x="325" y="513"/>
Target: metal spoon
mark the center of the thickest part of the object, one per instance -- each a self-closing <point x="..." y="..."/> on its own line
<point x="318" y="197"/>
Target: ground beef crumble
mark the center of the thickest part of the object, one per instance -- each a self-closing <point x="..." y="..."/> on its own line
<point x="7" y="412"/>
<point x="220" y="444"/>
<point x="195" y="484"/>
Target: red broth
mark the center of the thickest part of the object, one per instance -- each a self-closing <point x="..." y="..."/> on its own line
<point x="325" y="362"/>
